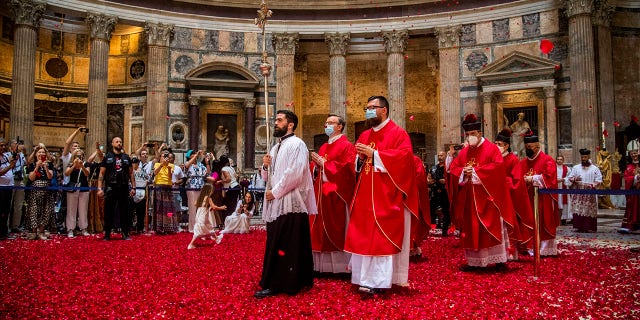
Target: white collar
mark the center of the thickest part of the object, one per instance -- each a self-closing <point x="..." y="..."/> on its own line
<point x="381" y="125"/>
<point x="334" y="138"/>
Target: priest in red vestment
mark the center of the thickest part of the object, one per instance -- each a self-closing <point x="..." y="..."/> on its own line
<point x="334" y="180"/>
<point x="386" y="194"/>
<point x="480" y="199"/>
<point x="563" y="199"/>
<point x="420" y="224"/>
<point x="631" y="221"/>
<point x="539" y="170"/>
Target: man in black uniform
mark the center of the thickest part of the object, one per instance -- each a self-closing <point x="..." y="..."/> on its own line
<point x="439" y="199"/>
<point x="116" y="173"/>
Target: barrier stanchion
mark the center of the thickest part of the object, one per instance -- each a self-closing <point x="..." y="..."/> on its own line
<point x="536" y="235"/>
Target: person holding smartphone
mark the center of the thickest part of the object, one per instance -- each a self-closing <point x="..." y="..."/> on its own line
<point x="40" y="201"/>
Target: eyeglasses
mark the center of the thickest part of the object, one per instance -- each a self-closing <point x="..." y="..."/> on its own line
<point x="329" y="123"/>
<point x="371" y="107"/>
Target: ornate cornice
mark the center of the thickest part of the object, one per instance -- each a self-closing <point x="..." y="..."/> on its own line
<point x="603" y="12"/>
<point x="338" y="43"/>
<point x="285" y="43"/>
<point x="101" y="26"/>
<point x="395" y="41"/>
<point x="158" y="34"/>
<point x="578" y="7"/>
<point x="449" y="37"/>
<point x="27" y="12"/>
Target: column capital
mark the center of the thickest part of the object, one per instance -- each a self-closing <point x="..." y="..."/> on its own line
<point x="448" y="37"/>
<point x="487" y="97"/>
<point x="578" y="7"/>
<point x="27" y="12"/>
<point x="250" y="103"/>
<point x="603" y="12"/>
<point x="194" y="100"/>
<point x="338" y="43"/>
<point x="158" y="34"/>
<point x="101" y="26"/>
<point x="285" y="43"/>
<point x="550" y="91"/>
<point x="395" y="41"/>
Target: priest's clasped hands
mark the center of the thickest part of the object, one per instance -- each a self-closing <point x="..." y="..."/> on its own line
<point x="364" y="151"/>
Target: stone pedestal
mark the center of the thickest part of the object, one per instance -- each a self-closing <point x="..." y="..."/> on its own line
<point x="449" y="117"/>
<point x="156" y="111"/>
<point x="249" y="132"/>
<point x="194" y="122"/>
<point x="395" y="42"/>
<point x="27" y="15"/>
<point x="487" y="116"/>
<point x="584" y="102"/>
<point x="338" y="44"/>
<point x="100" y="28"/>
<point x="286" y="45"/>
<point x="551" y="119"/>
<point x="602" y="15"/>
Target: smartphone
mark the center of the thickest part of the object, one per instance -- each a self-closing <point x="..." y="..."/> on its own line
<point x="101" y="148"/>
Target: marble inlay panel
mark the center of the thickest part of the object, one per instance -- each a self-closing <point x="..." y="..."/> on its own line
<point x="531" y="25"/>
<point x="484" y="32"/>
<point x="500" y="30"/>
<point x="474" y="60"/>
<point x="468" y="37"/>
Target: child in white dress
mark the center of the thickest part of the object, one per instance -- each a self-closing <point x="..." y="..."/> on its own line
<point x="204" y="227"/>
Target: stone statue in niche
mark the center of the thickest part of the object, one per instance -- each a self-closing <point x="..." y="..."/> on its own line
<point x="221" y="146"/>
<point x="518" y="129"/>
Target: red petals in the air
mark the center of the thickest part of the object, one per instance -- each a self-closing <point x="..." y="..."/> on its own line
<point x="281" y="253"/>
<point x="546" y="46"/>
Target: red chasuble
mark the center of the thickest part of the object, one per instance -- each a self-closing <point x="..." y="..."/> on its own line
<point x="332" y="196"/>
<point x="420" y="224"/>
<point x="518" y="192"/>
<point x="544" y="165"/>
<point x="631" y="219"/>
<point x="480" y="206"/>
<point x="376" y="225"/>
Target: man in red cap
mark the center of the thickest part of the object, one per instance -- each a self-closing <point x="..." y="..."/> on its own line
<point x="539" y="170"/>
<point x="480" y="199"/>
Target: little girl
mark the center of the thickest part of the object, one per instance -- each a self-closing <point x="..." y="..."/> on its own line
<point x="204" y="227"/>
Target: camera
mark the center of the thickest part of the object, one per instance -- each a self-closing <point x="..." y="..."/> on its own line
<point x="85" y="130"/>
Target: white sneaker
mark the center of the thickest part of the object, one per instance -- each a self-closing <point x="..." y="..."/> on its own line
<point x="219" y="238"/>
<point x="85" y="233"/>
<point x="70" y="234"/>
<point x="190" y="246"/>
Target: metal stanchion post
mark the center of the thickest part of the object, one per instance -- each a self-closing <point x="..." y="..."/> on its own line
<point x="536" y="235"/>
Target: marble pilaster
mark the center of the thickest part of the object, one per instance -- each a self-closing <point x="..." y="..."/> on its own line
<point x="249" y="132"/>
<point x="487" y="115"/>
<point x="603" y="12"/>
<point x="156" y="111"/>
<point x="338" y="44"/>
<point x="584" y="102"/>
<point x="27" y="15"/>
<point x="286" y="45"/>
<point x="100" y="28"/>
<point x="449" y="117"/>
<point x="551" y="116"/>
<point x="395" y="42"/>
<point x="194" y="122"/>
<point x="126" y="139"/>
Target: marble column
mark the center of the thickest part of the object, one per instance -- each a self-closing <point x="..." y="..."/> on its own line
<point x="286" y="45"/>
<point x="602" y="15"/>
<point x="27" y="15"/>
<point x="487" y="115"/>
<point x="249" y="132"/>
<point x="584" y="102"/>
<point x="194" y="122"/>
<point x="395" y="42"/>
<point x="551" y="115"/>
<point x="449" y="117"/>
<point x="155" y="114"/>
<point x="100" y="28"/>
<point x="127" y="140"/>
<point x="338" y="44"/>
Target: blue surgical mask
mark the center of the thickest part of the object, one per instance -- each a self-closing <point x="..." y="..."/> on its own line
<point x="328" y="130"/>
<point x="370" y="114"/>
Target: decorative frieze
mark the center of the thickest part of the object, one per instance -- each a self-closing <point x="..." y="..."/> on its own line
<point x="158" y="34"/>
<point x="101" y="26"/>
<point x="448" y="37"/>
<point x="27" y="12"/>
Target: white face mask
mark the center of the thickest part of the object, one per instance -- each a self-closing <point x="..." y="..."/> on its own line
<point x="501" y="148"/>
<point x="473" y="140"/>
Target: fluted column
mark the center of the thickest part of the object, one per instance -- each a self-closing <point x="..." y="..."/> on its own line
<point x="338" y="44"/>
<point x="249" y="132"/>
<point x="156" y="111"/>
<point x="487" y="115"/>
<point x="584" y="102"/>
<point x="27" y="15"/>
<point x="286" y="45"/>
<point x="194" y="122"/>
<point x="602" y="21"/>
<point x="100" y="28"/>
<point x="551" y="116"/>
<point x="449" y="117"/>
<point x="395" y="42"/>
